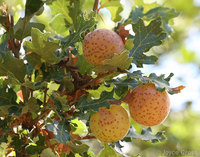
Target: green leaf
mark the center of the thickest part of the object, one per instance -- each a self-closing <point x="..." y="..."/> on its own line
<point x="3" y="44"/>
<point x="121" y="92"/>
<point x="78" y="127"/>
<point x="17" y="69"/>
<point x="145" y="38"/>
<point x="115" y="8"/>
<point x="161" y="82"/>
<point x="156" y="12"/>
<point x="53" y="73"/>
<point x="135" y="78"/>
<point x="117" y="16"/>
<point x="69" y="86"/>
<point x="32" y="6"/>
<point x="3" y="149"/>
<point x="75" y="10"/>
<point x="48" y="153"/>
<point x="136" y="14"/>
<point x="58" y="24"/>
<point x="15" y="109"/>
<point x="33" y="59"/>
<point x="129" y="44"/>
<point x="61" y="6"/>
<point x="30" y="106"/>
<point x="79" y="148"/>
<point x="17" y="143"/>
<point x="23" y="27"/>
<point x="83" y="104"/>
<point x="88" y="6"/>
<point x="83" y="25"/>
<point x="59" y="130"/>
<point x="37" y="147"/>
<point x="41" y="140"/>
<point x="120" y="82"/>
<point x="83" y="65"/>
<point x="165" y="14"/>
<point x="96" y="93"/>
<point x="2" y="19"/>
<point x="4" y="125"/>
<point x="29" y="84"/>
<point x="60" y="102"/>
<point x="121" y="61"/>
<point x="42" y="46"/>
<point x="107" y="3"/>
<point x="32" y="149"/>
<point x="146" y="135"/>
<point x="108" y="151"/>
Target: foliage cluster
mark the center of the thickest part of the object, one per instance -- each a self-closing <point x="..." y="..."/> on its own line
<point x="48" y="90"/>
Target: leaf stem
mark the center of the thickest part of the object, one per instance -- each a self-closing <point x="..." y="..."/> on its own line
<point x="42" y="115"/>
<point x="24" y="27"/>
<point x="45" y="96"/>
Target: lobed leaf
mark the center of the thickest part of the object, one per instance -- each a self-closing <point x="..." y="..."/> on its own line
<point x="119" y="82"/>
<point x="60" y="131"/>
<point x="16" y="70"/>
<point x="75" y="11"/>
<point x="78" y="127"/>
<point x="61" y="6"/>
<point x="84" y="104"/>
<point x="32" y="6"/>
<point x="30" y="106"/>
<point x="136" y="14"/>
<point x="37" y="147"/>
<point x="22" y="28"/>
<point x="79" y="148"/>
<point x="83" y="65"/>
<point x="121" y="61"/>
<point x="115" y="8"/>
<point x="48" y="153"/>
<point x="164" y="13"/>
<point x="146" y="135"/>
<point x="132" y="80"/>
<point x="145" y="38"/>
<point x="42" y="46"/>
<point x="58" y="23"/>
<point x="83" y="25"/>
<point x="17" y="143"/>
<point x="108" y="151"/>
<point x="161" y="82"/>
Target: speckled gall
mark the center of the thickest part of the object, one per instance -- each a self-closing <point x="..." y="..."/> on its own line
<point x="148" y="106"/>
<point x="110" y="125"/>
<point x="101" y="44"/>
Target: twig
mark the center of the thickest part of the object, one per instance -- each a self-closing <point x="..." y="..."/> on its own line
<point x="25" y="93"/>
<point x="45" y="96"/>
<point x="95" y="6"/>
<point x="42" y="115"/>
<point x="94" y="80"/>
<point x="15" y="45"/>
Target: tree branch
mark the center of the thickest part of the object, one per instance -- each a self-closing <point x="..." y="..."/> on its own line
<point x="95" y="6"/>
